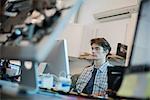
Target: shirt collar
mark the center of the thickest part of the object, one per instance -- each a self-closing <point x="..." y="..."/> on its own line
<point x="103" y="67"/>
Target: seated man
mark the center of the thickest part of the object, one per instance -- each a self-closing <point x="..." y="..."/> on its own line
<point x="93" y="79"/>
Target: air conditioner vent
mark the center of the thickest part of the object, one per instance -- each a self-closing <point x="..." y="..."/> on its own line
<point x="126" y="13"/>
<point x="116" y="14"/>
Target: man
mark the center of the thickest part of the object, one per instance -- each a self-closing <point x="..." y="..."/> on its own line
<point x="93" y="79"/>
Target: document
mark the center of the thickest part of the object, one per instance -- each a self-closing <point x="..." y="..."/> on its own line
<point x="135" y="85"/>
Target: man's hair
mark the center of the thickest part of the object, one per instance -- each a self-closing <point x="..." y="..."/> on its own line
<point x="101" y="42"/>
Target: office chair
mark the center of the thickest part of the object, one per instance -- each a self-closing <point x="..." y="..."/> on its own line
<point x="115" y="77"/>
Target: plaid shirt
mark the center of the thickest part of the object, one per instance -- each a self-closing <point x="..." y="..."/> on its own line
<point x="100" y="82"/>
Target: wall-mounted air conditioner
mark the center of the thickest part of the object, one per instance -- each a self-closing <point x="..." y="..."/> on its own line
<point x="116" y="14"/>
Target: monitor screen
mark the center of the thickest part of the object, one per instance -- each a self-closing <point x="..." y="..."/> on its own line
<point x="140" y="54"/>
<point x="58" y="63"/>
<point x="13" y="70"/>
<point x="10" y="69"/>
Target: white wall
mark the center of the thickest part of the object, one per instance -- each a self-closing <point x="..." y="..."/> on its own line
<point x="73" y="34"/>
<point x="115" y="32"/>
<point x="79" y="35"/>
<point x="93" y="6"/>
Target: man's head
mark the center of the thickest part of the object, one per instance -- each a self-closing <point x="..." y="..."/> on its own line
<point x="100" y="48"/>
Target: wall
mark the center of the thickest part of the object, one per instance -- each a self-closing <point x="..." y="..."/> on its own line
<point x="73" y="34"/>
<point x="93" y="6"/>
<point x="115" y="32"/>
<point x="80" y="33"/>
<point x="86" y="27"/>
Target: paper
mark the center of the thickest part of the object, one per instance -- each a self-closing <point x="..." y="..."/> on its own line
<point x="135" y="85"/>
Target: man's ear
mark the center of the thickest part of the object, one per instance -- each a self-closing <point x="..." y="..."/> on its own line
<point x="106" y="52"/>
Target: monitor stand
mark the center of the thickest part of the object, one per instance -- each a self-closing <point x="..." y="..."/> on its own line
<point x="29" y="80"/>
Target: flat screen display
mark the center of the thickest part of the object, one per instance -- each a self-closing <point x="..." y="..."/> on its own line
<point x="140" y="54"/>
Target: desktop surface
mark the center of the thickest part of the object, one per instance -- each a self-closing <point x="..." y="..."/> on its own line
<point x="58" y="96"/>
<point x="47" y="95"/>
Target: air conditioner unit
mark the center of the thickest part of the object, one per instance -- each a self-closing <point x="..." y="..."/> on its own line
<point x="116" y="14"/>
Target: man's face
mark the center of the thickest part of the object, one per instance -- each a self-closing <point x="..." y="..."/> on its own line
<point x="98" y="52"/>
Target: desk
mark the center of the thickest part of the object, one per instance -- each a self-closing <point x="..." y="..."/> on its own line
<point x="42" y="96"/>
<point x="56" y="96"/>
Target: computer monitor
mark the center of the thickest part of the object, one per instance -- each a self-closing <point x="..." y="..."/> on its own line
<point x="140" y="54"/>
<point x="57" y="60"/>
<point x="135" y="83"/>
